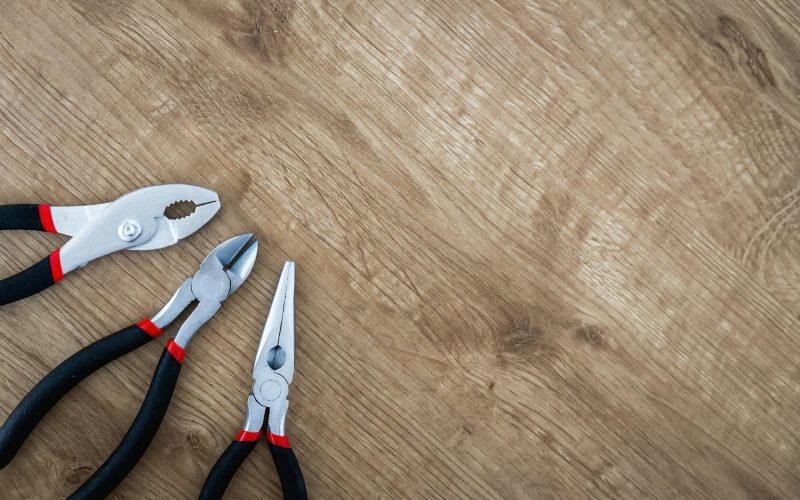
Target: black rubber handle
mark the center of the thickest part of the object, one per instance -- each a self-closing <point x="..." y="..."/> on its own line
<point x="23" y="216"/>
<point x="294" y="487"/>
<point x="225" y="468"/>
<point x="26" y="283"/>
<point x="35" y="405"/>
<point x="139" y="435"/>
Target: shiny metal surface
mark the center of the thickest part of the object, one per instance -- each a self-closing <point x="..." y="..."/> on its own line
<point x="275" y="352"/>
<point x="170" y="231"/>
<point x="221" y="273"/>
<point x="70" y="220"/>
<point x="254" y="417"/>
<point x="235" y="257"/>
<point x="274" y="364"/>
<point x="98" y="230"/>
<point x="179" y="301"/>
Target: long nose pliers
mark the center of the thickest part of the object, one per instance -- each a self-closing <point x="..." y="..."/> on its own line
<point x="268" y="402"/>
<point x="135" y="221"/>
<point x="221" y="273"/>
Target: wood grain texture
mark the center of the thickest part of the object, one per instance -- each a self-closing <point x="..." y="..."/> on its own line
<point x="543" y="250"/>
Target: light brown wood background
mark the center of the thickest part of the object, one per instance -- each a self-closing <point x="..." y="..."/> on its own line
<point x="545" y="249"/>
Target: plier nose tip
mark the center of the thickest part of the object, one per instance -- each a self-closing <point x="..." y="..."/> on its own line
<point x="276" y="349"/>
<point x="227" y="253"/>
<point x="239" y="269"/>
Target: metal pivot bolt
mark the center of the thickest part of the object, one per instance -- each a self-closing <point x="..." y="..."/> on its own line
<point x="269" y="390"/>
<point x="129" y="230"/>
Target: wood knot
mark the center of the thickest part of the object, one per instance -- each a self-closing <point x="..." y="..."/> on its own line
<point x="193" y="439"/>
<point x="591" y="335"/>
<point x="267" y="29"/>
<point x="78" y="475"/>
<point x="742" y="51"/>
<point x="524" y="338"/>
<point x="518" y="338"/>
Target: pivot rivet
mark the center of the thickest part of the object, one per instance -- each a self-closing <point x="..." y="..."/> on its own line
<point x="270" y="390"/>
<point x="129" y="230"/>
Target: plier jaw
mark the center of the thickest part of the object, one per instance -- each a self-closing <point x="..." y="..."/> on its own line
<point x="274" y="365"/>
<point x="135" y="221"/>
<point x="275" y="354"/>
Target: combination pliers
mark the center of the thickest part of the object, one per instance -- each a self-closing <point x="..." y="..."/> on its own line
<point x="221" y="273"/>
<point x="268" y="402"/>
<point x="135" y="221"/>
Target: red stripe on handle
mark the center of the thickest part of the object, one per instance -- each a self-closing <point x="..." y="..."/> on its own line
<point x="55" y="266"/>
<point x="149" y="327"/>
<point x="277" y="440"/>
<point x="46" y="216"/>
<point x="248" y="435"/>
<point x="176" y="351"/>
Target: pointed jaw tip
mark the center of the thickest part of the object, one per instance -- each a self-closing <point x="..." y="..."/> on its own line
<point x="279" y="328"/>
<point x="245" y="261"/>
<point x="196" y="194"/>
<point x="286" y="282"/>
<point x="283" y="299"/>
<point x="167" y="194"/>
<point x="228" y="252"/>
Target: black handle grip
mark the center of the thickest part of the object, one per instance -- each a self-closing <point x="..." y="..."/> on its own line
<point x="294" y="487"/>
<point x="35" y="405"/>
<point x="26" y="283"/>
<point x="225" y="468"/>
<point x="23" y="216"/>
<point x="139" y="435"/>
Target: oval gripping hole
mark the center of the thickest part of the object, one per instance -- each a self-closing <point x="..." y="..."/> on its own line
<point x="180" y="209"/>
<point x="276" y="357"/>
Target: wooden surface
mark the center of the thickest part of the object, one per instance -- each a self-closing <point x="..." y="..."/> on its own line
<point x="543" y="250"/>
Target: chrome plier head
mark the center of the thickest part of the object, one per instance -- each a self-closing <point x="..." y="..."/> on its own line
<point x="221" y="273"/>
<point x="274" y="364"/>
<point x="135" y="221"/>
